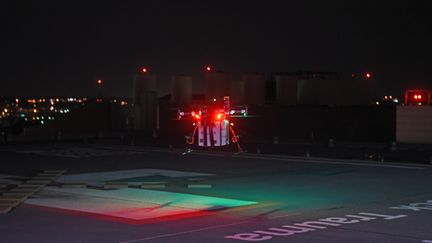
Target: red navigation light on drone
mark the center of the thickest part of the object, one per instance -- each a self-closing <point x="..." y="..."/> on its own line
<point x="212" y="125"/>
<point x="144" y="70"/>
<point x="208" y="68"/>
<point x="197" y="116"/>
<point x="99" y="81"/>
<point x="219" y="116"/>
<point x="368" y="75"/>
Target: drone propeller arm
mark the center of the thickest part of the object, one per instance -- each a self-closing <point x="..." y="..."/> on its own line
<point x="242" y="111"/>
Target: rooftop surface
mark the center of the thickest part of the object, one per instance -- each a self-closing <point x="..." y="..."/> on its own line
<point x="142" y="194"/>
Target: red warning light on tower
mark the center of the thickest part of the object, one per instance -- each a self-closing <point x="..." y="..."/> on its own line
<point x="418" y="97"/>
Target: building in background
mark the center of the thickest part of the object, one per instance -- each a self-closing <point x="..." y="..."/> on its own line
<point x="181" y="89"/>
<point x="285" y="89"/>
<point x="217" y="85"/>
<point x="255" y="88"/>
<point x="145" y="101"/>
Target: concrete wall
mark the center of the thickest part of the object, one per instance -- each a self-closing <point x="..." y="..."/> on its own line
<point x="414" y="124"/>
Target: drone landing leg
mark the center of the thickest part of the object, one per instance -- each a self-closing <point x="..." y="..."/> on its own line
<point x="188" y="150"/>
<point x="236" y="141"/>
<point x="190" y="142"/>
<point x="239" y="148"/>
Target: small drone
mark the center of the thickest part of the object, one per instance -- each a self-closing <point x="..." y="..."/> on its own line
<point x="212" y="124"/>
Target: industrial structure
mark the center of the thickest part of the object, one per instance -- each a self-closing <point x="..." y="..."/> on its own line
<point x="145" y="101"/>
<point x="286" y="88"/>
<point x="301" y="105"/>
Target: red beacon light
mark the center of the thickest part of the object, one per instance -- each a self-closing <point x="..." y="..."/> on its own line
<point x="144" y="70"/>
<point x="417" y="97"/>
<point x="208" y="68"/>
<point x="99" y="81"/>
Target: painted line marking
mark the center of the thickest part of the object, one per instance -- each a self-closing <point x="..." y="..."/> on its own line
<point x="22" y="190"/>
<point x="5" y="209"/>
<point x="10" y="202"/>
<point x="152" y="186"/>
<point x="54" y="171"/>
<point x="329" y="162"/>
<point x="284" y="215"/>
<point x="36" y="181"/>
<point x="312" y="161"/>
<point x="204" y="228"/>
<point x="185" y="232"/>
<point x="115" y="186"/>
<point x="198" y="186"/>
<point x="77" y="185"/>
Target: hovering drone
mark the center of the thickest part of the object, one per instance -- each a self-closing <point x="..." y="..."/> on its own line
<point x="212" y="125"/>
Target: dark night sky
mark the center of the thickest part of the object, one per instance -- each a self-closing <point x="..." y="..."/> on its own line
<point x="62" y="47"/>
